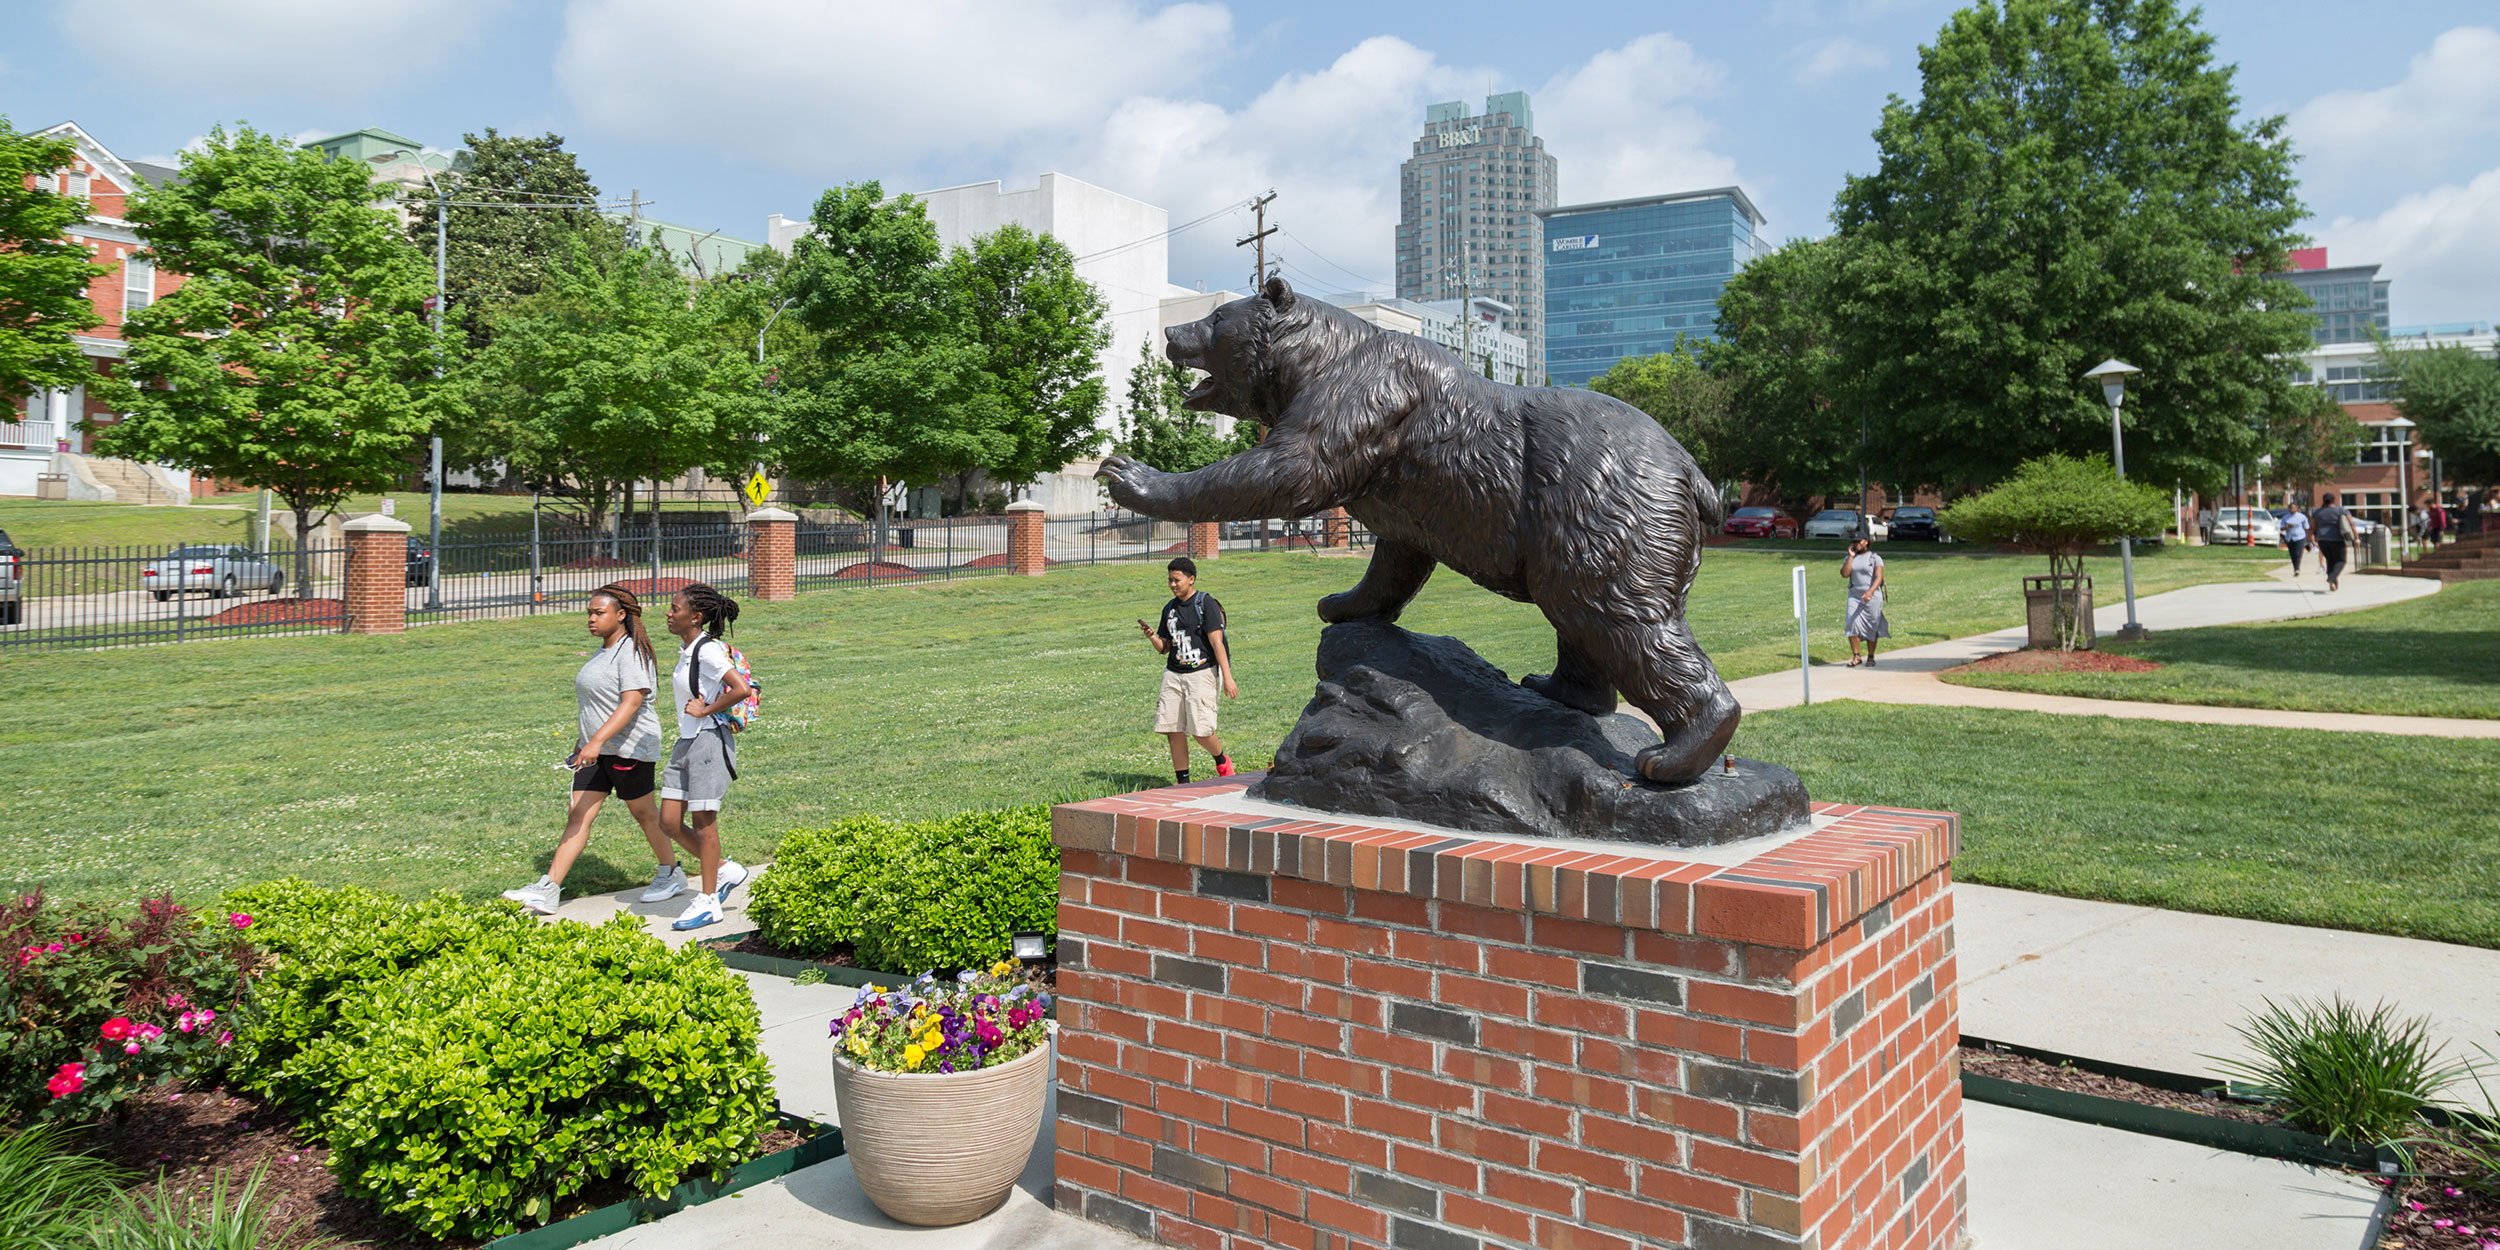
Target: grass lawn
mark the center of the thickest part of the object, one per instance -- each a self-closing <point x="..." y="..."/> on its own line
<point x="422" y="761"/>
<point x="2383" y="834"/>
<point x="78" y="523"/>
<point x="2436" y="656"/>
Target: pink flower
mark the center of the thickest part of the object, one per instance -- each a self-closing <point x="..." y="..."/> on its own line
<point x="71" y="1078"/>
<point x="117" y="1028"/>
<point x="225" y="1039"/>
<point x="239" y="920"/>
<point x="149" y="1032"/>
<point x="130" y="1048"/>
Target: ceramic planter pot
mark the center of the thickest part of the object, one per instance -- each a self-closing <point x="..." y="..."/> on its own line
<point x="937" y="1149"/>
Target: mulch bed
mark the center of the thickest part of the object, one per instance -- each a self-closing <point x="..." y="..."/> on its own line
<point x="878" y="569"/>
<point x="648" y="591"/>
<point x="597" y="562"/>
<point x="182" y="1137"/>
<point x="996" y="560"/>
<point x="2434" y="1211"/>
<point x="2043" y="660"/>
<point x="283" y="612"/>
<point x="2030" y="1071"/>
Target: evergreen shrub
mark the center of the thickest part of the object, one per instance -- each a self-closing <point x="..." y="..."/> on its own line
<point x="911" y="897"/>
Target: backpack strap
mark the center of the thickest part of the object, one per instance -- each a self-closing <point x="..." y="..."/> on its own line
<point x="695" y="679"/>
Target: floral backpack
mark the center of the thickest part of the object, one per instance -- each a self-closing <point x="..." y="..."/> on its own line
<point x="744" y="712"/>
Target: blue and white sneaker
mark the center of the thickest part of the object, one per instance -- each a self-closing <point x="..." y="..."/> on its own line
<point x="732" y="875"/>
<point x="704" y="911"/>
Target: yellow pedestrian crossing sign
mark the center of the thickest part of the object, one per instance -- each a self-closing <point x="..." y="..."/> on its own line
<point x="759" y="488"/>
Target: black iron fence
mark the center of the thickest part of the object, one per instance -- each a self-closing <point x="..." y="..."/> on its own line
<point x="95" y="597"/>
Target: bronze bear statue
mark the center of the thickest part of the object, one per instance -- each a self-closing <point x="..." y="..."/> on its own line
<point x="1568" y="499"/>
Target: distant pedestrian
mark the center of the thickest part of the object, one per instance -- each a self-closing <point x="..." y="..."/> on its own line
<point x="618" y="747"/>
<point x="2330" y="527"/>
<point x="2295" y="535"/>
<point x="2438" y="522"/>
<point x="707" y="684"/>
<point x="1863" y="617"/>
<point x="1191" y="640"/>
<point x="2205" y="526"/>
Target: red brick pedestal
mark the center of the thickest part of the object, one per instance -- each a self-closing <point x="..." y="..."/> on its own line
<point x="1304" y="1033"/>
<point x="377" y="575"/>
<point x="772" y="554"/>
<point x="1335" y="528"/>
<point x="1203" y="542"/>
<point x="1024" y="537"/>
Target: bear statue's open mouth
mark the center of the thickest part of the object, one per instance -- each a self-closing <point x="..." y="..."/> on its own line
<point x="1200" y="395"/>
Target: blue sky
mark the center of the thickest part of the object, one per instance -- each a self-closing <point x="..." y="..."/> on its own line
<point x="724" y="112"/>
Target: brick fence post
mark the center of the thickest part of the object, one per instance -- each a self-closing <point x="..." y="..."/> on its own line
<point x="377" y="575"/>
<point x="1202" y="540"/>
<point x="1024" y="537"/>
<point x="1296" y="1032"/>
<point x="1335" y="529"/>
<point x="772" y="554"/>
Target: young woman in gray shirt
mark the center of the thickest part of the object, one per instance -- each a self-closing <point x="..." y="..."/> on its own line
<point x="618" y="750"/>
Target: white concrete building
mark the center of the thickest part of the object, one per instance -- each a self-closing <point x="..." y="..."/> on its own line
<point x="1119" y="247"/>
<point x="1438" y="321"/>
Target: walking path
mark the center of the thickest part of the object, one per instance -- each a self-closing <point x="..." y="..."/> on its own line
<point x="1908" y="675"/>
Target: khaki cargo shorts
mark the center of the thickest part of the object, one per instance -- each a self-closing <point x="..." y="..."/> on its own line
<point x="1187" y="702"/>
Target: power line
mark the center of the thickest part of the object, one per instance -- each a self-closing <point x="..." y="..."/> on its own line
<point x="1188" y="225"/>
<point x="1315" y="255"/>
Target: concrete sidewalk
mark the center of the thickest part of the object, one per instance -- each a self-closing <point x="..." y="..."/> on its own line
<point x="1909" y="674"/>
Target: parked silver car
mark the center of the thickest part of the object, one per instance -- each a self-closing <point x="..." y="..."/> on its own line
<point x="2235" y="525"/>
<point x="223" y="572"/>
<point x="12" y="580"/>
<point x="1832" y="523"/>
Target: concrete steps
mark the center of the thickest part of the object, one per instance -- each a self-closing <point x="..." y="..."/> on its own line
<point x="2469" y="560"/>
<point x="130" y="482"/>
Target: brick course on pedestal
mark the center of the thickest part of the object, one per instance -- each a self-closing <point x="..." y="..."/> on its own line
<point x="1203" y="540"/>
<point x="1308" y="1033"/>
<point x="772" y="554"/>
<point x="377" y="575"/>
<point x="1335" y="528"/>
<point x="1024" y="537"/>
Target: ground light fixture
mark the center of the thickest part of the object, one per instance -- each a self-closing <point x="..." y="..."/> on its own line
<point x="2112" y="375"/>
<point x="1032" y="948"/>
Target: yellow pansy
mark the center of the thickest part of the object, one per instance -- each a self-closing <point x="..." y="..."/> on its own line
<point x="932" y="1040"/>
<point x="911" y="1056"/>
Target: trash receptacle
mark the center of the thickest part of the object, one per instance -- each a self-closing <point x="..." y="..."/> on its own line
<point x="2377" y="549"/>
<point x="2040" y="608"/>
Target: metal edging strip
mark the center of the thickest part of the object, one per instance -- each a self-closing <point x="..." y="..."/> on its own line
<point x="616" y="1217"/>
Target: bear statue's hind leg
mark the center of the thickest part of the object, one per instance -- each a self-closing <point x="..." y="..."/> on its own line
<point x="1396" y="572"/>
<point x="1664" y="673"/>
<point x="1694" y="745"/>
<point x="1577" y="681"/>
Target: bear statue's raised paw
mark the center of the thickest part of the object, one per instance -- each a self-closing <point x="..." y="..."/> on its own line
<point x="1353" y="605"/>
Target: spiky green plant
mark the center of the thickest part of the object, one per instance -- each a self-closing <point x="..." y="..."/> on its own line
<point x="2332" y="1068"/>
<point x="50" y="1192"/>
<point x="151" y="1218"/>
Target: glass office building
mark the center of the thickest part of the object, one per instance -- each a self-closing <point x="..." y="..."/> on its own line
<point x="2351" y="300"/>
<point x="1625" y="277"/>
<point x="1467" y="198"/>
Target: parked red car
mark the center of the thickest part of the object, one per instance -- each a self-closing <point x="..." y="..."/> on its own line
<point x="1759" y="523"/>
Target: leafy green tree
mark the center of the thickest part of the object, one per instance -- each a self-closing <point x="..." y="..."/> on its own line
<point x="612" y="374"/>
<point x="292" y="357"/>
<point x="43" y="276"/>
<point x="2454" y="395"/>
<point x="1039" y="329"/>
<point x="1791" y="426"/>
<point x="2073" y="183"/>
<point x="894" y="390"/>
<point x="1156" y="430"/>
<point x="2060" y="506"/>
<point x="1690" y="401"/>
<point x="2313" y="441"/>
<point x="518" y="205"/>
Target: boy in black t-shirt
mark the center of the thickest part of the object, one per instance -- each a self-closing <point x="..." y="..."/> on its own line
<point x="1191" y="640"/>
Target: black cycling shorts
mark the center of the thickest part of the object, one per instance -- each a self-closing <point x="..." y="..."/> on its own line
<point x="615" y="774"/>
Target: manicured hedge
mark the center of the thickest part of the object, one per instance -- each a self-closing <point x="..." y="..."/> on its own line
<point x="911" y="897"/>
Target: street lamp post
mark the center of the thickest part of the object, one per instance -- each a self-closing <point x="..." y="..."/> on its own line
<point x="434" y="476"/>
<point x="2112" y="375"/>
<point x="2404" y="482"/>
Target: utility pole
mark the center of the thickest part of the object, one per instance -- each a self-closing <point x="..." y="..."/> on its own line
<point x="1258" y="237"/>
<point x="633" y="219"/>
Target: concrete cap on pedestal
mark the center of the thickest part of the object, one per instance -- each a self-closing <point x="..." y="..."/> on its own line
<point x="771" y="514"/>
<point x="1024" y="505"/>
<point x="377" y="523"/>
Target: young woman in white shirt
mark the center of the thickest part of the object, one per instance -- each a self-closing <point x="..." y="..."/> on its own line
<point x="705" y="758"/>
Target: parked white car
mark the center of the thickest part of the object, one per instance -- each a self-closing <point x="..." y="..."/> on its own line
<point x="223" y="572"/>
<point x="1832" y="523"/>
<point x="2235" y="525"/>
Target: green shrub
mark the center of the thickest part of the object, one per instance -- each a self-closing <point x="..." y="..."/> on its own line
<point x="329" y="947"/>
<point x="96" y="1006"/>
<point x="49" y="1192"/>
<point x="2332" y="1068"/>
<point x="489" y="1084"/>
<point x="912" y="897"/>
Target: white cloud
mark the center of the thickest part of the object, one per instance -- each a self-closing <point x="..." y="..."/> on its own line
<point x="1821" y="62"/>
<point x="1624" y="124"/>
<point x="2445" y="111"/>
<point x="815" y="86"/>
<point x="2435" y="249"/>
<point x="309" y="46"/>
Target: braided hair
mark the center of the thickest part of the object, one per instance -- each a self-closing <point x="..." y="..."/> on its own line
<point x="625" y="602"/>
<point x="717" y="611"/>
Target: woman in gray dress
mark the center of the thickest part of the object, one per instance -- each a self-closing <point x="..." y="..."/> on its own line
<point x="1864" y="617"/>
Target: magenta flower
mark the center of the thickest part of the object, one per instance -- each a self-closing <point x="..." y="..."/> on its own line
<point x="240" y="920"/>
<point x="71" y="1078"/>
<point x="117" y="1028"/>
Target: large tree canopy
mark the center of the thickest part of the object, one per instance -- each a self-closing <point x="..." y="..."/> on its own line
<point x="1687" y="400"/>
<point x="43" y="276"/>
<point x="1038" y="328"/>
<point x="2454" y="395"/>
<point x="518" y="205"/>
<point x="1792" y="428"/>
<point x="292" y="358"/>
<point x="2073" y="183"/>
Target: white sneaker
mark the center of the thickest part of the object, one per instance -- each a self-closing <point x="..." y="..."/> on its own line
<point x="667" y="882"/>
<point x="732" y="875"/>
<point x="540" y="897"/>
<point x="704" y="911"/>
